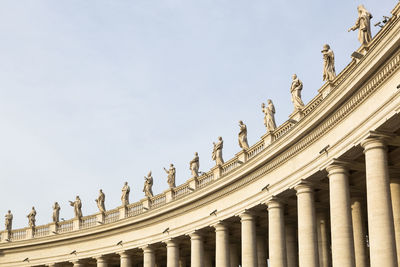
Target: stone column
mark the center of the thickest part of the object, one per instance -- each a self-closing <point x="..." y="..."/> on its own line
<point x="323" y="243"/>
<point x="172" y="253"/>
<point x="101" y="261"/>
<point x="291" y="244"/>
<point x="276" y="234"/>
<point x="149" y="257"/>
<point x="221" y="245"/>
<point x="341" y="224"/>
<point x="207" y="258"/>
<point x="395" y="194"/>
<point x="125" y="259"/>
<point x="307" y="229"/>
<point x="261" y="256"/>
<point x="234" y="255"/>
<point x="379" y="204"/>
<point x="53" y="265"/>
<point x="78" y="263"/>
<point x="182" y="262"/>
<point x="197" y="250"/>
<point x="359" y="233"/>
<point x="249" y="244"/>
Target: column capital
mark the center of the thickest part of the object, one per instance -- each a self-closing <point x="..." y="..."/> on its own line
<point x="275" y="203"/>
<point x="195" y="235"/>
<point x="220" y="226"/>
<point x="247" y="216"/>
<point x="100" y="259"/>
<point x="304" y="187"/>
<point x="171" y="242"/>
<point x="338" y="166"/>
<point x="147" y="249"/>
<point x="124" y="254"/>
<point x="375" y="142"/>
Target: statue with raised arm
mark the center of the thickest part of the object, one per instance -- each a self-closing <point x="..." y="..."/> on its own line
<point x="8" y="223"/>
<point x="171" y="175"/>
<point x="363" y="23"/>
<point x="100" y="201"/>
<point x="77" y="204"/>
<point x="125" y="194"/>
<point x="217" y="152"/>
<point x="243" y="136"/>
<point x="269" y="115"/>
<point x="32" y="218"/>
<point x="295" y="90"/>
<point x="148" y="186"/>
<point x="329" y="64"/>
<point x="194" y="165"/>
<point x="56" y="212"/>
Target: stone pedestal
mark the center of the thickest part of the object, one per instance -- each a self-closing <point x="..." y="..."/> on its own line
<point x="76" y="224"/>
<point x="53" y="228"/>
<point x="326" y="89"/>
<point x="242" y="156"/>
<point x="297" y="115"/>
<point x="123" y="212"/>
<point x="217" y="171"/>
<point x="100" y="218"/>
<point x="169" y="195"/>
<point x="268" y="138"/>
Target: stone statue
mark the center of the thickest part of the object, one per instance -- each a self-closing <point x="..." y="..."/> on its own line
<point x="194" y="165"/>
<point x="8" y="223"/>
<point x="100" y="201"/>
<point x="329" y="63"/>
<point x="77" y="204"/>
<point x="217" y="152"/>
<point x="243" y="136"/>
<point x="148" y="186"/>
<point x="363" y="23"/>
<point x="171" y="175"/>
<point x="125" y="194"/>
<point x="56" y="212"/>
<point x="295" y="90"/>
<point x="32" y="218"/>
<point x="269" y="118"/>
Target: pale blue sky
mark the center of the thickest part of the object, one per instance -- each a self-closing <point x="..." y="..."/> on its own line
<point x="95" y="93"/>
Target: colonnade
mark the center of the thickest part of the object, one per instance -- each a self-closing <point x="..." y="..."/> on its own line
<point x="310" y="239"/>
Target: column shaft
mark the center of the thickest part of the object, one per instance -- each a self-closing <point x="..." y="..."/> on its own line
<point x="222" y="245"/>
<point x="341" y="224"/>
<point x="249" y="244"/>
<point x="395" y="193"/>
<point x="125" y="260"/>
<point x="323" y="243"/>
<point x="307" y="230"/>
<point x="101" y="262"/>
<point x="234" y="255"/>
<point x="172" y="253"/>
<point x="359" y="233"/>
<point x="261" y="256"/>
<point x="291" y="244"/>
<point x="276" y="234"/>
<point x="197" y="250"/>
<point x="149" y="257"/>
<point x="379" y="204"/>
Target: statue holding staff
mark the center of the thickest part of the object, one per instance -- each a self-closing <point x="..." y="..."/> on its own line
<point x="100" y="201"/>
<point x="217" y="152"/>
<point x="32" y="218"/>
<point x="56" y="212"/>
<point x="363" y="23"/>
<point x="243" y="136"/>
<point x="329" y="73"/>
<point x="77" y="204"/>
<point x="171" y="175"/>
<point x="125" y="194"/>
<point x="269" y="118"/>
<point x="194" y="165"/>
<point x="148" y="186"/>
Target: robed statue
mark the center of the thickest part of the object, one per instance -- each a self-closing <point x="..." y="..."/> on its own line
<point x="148" y="186"/>
<point x="125" y="194"/>
<point x="329" y="63"/>
<point x="56" y="212"/>
<point x="194" y="165"/>
<point x="295" y="90"/>
<point x="8" y="223"/>
<point x="217" y="152"/>
<point x="269" y="115"/>
<point x="363" y="24"/>
<point x="243" y="136"/>
<point x="32" y="218"/>
<point x="77" y="204"/>
<point x="171" y="175"/>
<point x="100" y="201"/>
